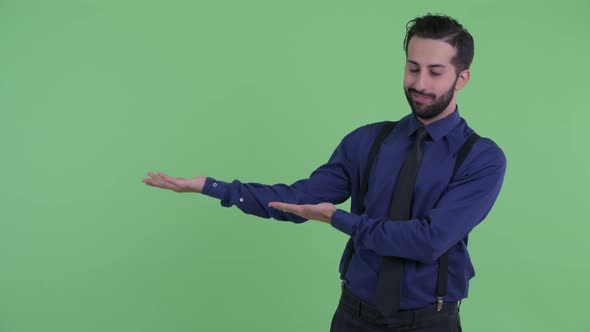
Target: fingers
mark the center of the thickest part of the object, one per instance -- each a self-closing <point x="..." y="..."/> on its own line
<point x="169" y="180"/>
<point x="293" y="208"/>
<point x="277" y="205"/>
<point x="161" y="180"/>
<point x="154" y="180"/>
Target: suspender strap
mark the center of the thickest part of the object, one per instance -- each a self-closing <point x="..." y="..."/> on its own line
<point x="443" y="261"/>
<point x="360" y="207"/>
<point x="385" y="130"/>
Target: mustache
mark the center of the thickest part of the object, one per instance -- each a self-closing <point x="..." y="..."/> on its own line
<point x="416" y="92"/>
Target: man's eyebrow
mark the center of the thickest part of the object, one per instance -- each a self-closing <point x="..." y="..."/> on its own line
<point x="436" y="65"/>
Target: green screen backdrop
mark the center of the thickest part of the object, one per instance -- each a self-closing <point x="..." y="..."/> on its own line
<point x="94" y="94"/>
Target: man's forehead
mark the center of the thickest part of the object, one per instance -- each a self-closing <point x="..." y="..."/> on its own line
<point x="430" y="52"/>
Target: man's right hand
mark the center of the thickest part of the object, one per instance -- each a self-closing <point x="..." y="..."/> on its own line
<point x="179" y="185"/>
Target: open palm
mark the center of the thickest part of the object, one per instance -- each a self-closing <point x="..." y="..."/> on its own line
<point x="179" y="185"/>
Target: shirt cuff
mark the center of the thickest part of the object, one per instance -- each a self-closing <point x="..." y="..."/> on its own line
<point x="215" y="188"/>
<point x="344" y="221"/>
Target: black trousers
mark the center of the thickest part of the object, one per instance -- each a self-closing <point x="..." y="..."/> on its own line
<point x="356" y="315"/>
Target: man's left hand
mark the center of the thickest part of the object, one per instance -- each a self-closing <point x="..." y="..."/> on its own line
<point x="322" y="212"/>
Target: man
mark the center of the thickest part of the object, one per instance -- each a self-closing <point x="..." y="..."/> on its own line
<point x="415" y="199"/>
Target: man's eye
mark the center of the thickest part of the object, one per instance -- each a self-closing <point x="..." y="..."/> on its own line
<point x="413" y="70"/>
<point x="435" y="74"/>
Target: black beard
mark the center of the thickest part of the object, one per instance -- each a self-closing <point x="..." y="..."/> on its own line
<point x="437" y="107"/>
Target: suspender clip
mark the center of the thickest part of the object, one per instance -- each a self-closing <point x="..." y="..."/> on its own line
<point x="439" y="303"/>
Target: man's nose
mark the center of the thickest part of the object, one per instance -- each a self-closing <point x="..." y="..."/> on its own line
<point x="420" y="83"/>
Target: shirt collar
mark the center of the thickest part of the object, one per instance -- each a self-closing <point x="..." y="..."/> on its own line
<point x="437" y="129"/>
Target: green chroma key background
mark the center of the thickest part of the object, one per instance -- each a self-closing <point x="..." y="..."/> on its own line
<point x="94" y="94"/>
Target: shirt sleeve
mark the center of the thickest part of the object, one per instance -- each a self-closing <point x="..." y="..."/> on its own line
<point x="464" y="204"/>
<point x="331" y="182"/>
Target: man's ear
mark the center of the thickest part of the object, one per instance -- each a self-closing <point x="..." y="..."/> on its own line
<point x="462" y="79"/>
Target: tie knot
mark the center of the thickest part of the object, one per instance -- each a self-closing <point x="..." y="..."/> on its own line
<point x="421" y="134"/>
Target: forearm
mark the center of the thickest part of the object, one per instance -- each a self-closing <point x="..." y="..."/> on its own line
<point x="416" y="239"/>
<point x="253" y="198"/>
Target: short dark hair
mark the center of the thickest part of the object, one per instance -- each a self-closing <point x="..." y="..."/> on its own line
<point x="447" y="29"/>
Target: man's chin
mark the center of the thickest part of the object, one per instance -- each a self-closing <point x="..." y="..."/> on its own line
<point x="423" y="114"/>
<point x="419" y="112"/>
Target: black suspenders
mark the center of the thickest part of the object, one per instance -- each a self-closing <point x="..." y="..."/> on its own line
<point x="443" y="265"/>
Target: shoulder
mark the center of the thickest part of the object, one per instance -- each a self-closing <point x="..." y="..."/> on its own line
<point x="357" y="143"/>
<point x="485" y="154"/>
<point x="487" y="148"/>
<point x="365" y="134"/>
<point x="484" y="150"/>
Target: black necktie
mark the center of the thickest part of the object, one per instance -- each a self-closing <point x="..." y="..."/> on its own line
<point x="390" y="277"/>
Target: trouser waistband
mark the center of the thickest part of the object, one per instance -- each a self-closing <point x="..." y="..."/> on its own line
<point x="370" y="312"/>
